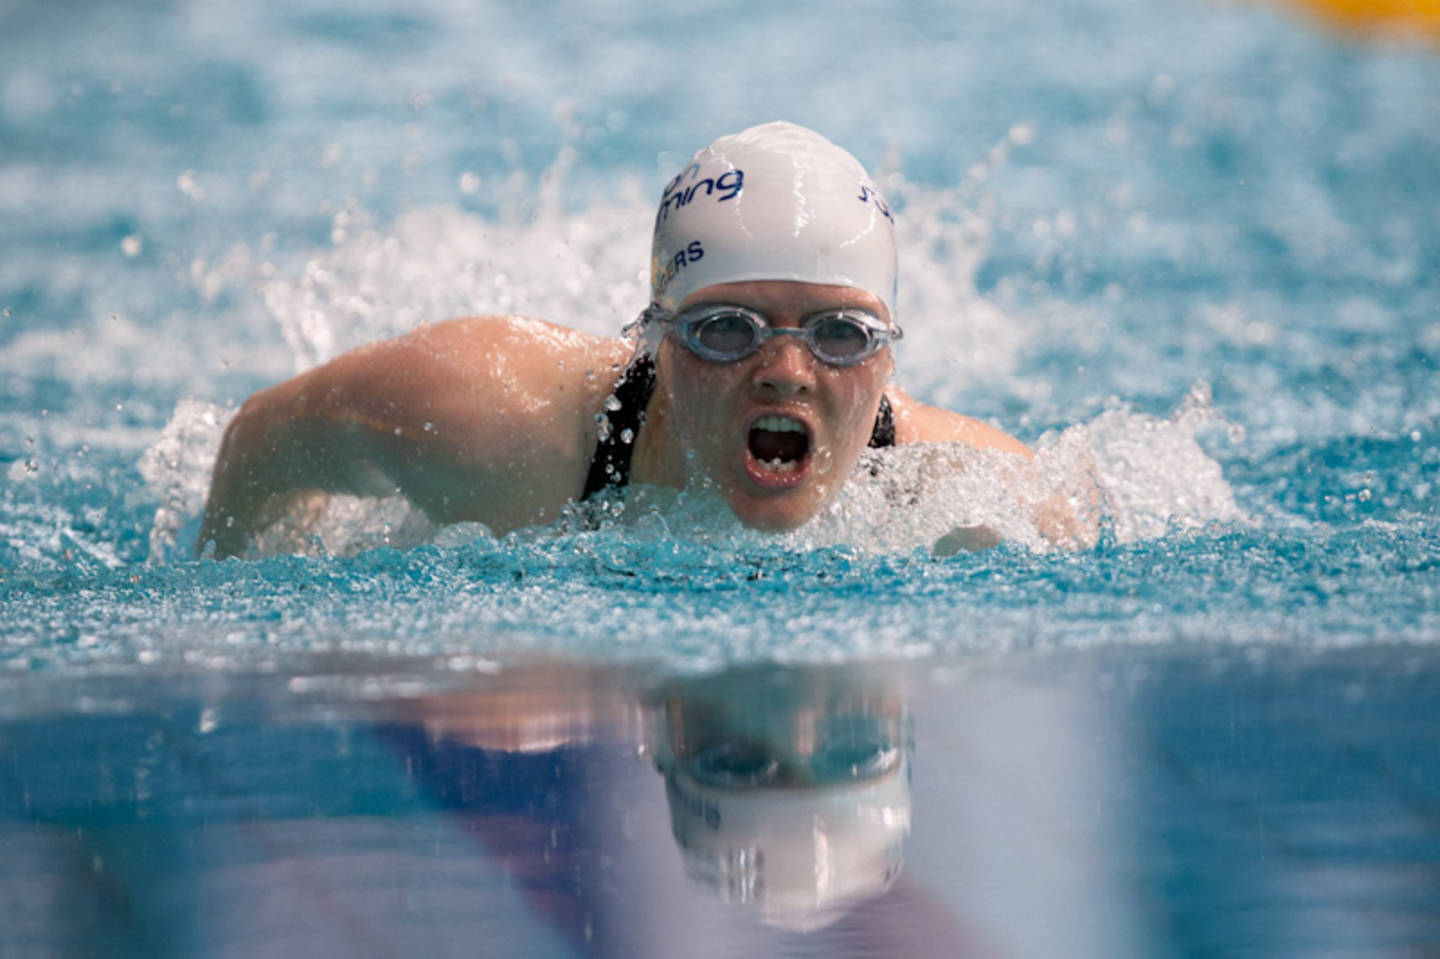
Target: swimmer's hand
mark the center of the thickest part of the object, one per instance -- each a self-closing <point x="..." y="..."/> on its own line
<point x="968" y="539"/>
<point x="1057" y="520"/>
<point x="1069" y="522"/>
<point x="1065" y="497"/>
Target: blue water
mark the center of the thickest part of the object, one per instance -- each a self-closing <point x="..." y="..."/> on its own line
<point x="1196" y="244"/>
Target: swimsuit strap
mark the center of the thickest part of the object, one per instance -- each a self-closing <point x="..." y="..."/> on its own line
<point x="883" y="432"/>
<point x="611" y="463"/>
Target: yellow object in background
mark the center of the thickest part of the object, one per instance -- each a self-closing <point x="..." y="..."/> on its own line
<point x="1418" y="18"/>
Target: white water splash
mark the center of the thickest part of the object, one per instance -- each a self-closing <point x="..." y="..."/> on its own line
<point x="177" y="471"/>
<point x="1155" y="476"/>
<point x="588" y="271"/>
<point x="1140" y="476"/>
<point x="1137" y="476"/>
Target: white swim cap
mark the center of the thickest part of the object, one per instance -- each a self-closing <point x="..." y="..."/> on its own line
<point x="801" y="858"/>
<point x="774" y="202"/>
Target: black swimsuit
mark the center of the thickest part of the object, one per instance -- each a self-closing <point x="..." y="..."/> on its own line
<point x="611" y="464"/>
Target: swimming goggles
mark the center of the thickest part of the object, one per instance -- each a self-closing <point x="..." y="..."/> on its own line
<point x="865" y="749"/>
<point x="725" y="333"/>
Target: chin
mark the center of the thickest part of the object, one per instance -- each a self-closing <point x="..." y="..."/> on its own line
<point x="775" y="514"/>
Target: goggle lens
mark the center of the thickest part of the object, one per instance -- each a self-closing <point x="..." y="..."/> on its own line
<point x="837" y="337"/>
<point x="729" y="333"/>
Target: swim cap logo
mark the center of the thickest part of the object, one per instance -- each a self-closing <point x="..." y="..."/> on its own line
<point x="686" y="254"/>
<point x="703" y="809"/>
<point x="724" y="187"/>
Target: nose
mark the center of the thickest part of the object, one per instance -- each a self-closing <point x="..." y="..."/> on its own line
<point x="785" y="366"/>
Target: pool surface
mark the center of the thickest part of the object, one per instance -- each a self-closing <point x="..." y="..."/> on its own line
<point x="1188" y="251"/>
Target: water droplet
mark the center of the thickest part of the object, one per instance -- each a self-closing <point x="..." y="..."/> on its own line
<point x="131" y="246"/>
<point x="1364" y="495"/>
<point x="612" y="403"/>
<point x="189" y="184"/>
<point x="428" y="427"/>
<point x="627" y="436"/>
<point x="602" y="426"/>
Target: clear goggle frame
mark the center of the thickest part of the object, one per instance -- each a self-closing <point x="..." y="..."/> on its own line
<point x="727" y="333"/>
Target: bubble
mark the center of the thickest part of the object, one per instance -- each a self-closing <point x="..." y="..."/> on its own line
<point x="189" y="184"/>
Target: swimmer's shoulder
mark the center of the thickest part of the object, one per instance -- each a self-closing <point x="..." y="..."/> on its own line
<point x="512" y="375"/>
<point x="511" y="364"/>
<point x="917" y="422"/>
<point x="516" y="345"/>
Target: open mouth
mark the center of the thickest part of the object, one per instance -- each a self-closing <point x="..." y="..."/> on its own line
<point x="778" y="448"/>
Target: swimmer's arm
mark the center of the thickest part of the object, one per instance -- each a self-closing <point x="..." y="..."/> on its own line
<point x="481" y="419"/>
<point x="1063" y="520"/>
<point x="917" y="422"/>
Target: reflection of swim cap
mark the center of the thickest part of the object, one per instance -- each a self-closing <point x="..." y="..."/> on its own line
<point x="774" y="202"/>
<point x="801" y="856"/>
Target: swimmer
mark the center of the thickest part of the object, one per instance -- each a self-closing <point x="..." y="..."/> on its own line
<point x="763" y="371"/>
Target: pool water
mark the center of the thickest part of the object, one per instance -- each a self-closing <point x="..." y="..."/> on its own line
<point x="1189" y="252"/>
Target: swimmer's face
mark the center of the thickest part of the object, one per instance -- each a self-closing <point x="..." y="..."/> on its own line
<point x="778" y="432"/>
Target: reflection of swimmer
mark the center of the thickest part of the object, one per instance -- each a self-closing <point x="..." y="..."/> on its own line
<point x="762" y="371"/>
<point x="538" y="771"/>
<point x="789" y="791"/>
